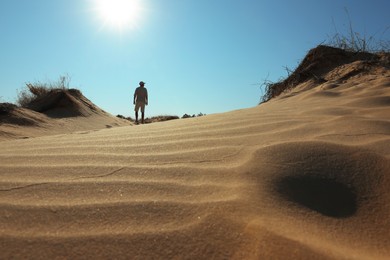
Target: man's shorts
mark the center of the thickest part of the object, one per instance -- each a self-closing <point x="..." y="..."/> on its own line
<point x="139" y="105"/>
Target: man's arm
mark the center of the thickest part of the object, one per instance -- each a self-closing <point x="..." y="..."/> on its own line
<point x="146" y="98"/>
<point x="135" y="95"/>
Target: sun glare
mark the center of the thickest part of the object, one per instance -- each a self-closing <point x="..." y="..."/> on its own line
<point x="119" y="14"/>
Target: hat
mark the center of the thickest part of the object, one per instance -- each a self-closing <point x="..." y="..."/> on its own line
<point x="142" y="83"/>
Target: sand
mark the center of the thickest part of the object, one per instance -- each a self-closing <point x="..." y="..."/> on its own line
<point x="303" y="176"/>
<point x="58" y="112"/>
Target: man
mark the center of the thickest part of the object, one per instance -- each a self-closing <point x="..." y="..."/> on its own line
<point x="140" y="100"/>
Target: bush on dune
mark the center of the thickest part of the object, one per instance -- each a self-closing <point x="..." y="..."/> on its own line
<point x="36" y="90"/>
<point x="189" y="116"/>
<point x="6" y="108"/>
<point x="354" y="41"/>
<point x="159" y="119"/>
<point x="339" y="49"/>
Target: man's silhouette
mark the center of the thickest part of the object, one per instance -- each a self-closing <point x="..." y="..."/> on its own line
<point x="140" y="100"/>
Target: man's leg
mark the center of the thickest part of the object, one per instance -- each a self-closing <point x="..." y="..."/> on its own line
<point x="136" y="109"/>
<point x="143" y="112"/>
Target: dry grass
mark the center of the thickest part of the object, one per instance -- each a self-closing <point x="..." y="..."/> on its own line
<point x="354" y="41"/>
<point x="6" y="108"/>
<point x="317" y="63"/>
<point x="36" y="90"/>
<point x="351" y="44"/>
<point x="155" y="119"/>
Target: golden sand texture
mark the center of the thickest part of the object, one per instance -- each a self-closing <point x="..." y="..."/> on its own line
<point x="59" y="111"/>
<point x="303" y="176"/>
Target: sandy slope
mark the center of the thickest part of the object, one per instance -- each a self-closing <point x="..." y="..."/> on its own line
<point x="306" y="176"/>
<point x="59" y="111"/>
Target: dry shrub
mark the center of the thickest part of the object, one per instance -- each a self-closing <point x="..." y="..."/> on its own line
<point x="338" y="49"/>
<point x="126" y="118"/>
<point x="316" y="64"/>
<point x="24" y="98"/>
<point x="6" y="108"/>
<point x="354" y="41"/>
<point x="36" y="90"/>
<point x="161" y="118"/>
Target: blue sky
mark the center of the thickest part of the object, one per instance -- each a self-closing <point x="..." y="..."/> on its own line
<point x="194" y="55"/>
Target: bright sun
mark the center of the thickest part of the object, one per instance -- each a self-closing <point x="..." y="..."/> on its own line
<point x="119" y="14"/>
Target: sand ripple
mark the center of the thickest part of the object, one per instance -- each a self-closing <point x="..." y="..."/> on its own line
<point x="302" y="176"/>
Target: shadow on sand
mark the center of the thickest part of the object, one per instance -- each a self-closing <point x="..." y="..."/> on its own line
<point x="325" y="196"/>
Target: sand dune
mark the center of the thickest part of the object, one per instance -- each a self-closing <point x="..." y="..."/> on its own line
<point x="57" y="112"/>
<point x="305" y="175"/>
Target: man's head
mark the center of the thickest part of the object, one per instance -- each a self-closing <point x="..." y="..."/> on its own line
<point x="142" y="83"/>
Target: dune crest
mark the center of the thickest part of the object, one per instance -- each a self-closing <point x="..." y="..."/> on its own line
<point x="60" y="103"/>
<point x="325" y="64"/>
<point x="59" y="111"/>
<point x="302" y="176"/>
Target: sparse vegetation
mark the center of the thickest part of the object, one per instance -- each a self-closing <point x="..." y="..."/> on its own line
<point x="6" y="108"/>
<point x="153" y="119"/>
<point x="126" y="118"/>
<point x="189" y="116"/>
<point x="353" y="44"/>
<point x="38" y="89"/>
<point x="354" y="41"/>
<point x="159" y="119"/>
